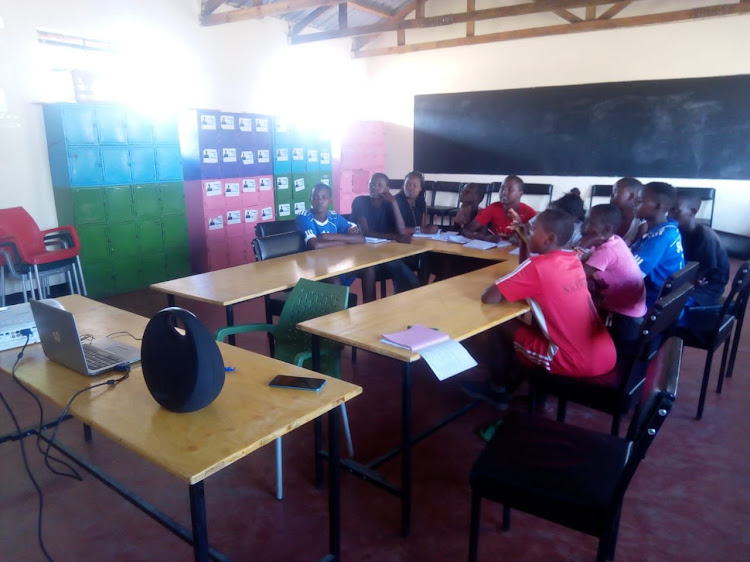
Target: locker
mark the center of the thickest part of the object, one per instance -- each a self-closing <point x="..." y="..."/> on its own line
<point x="146" y="200"/>
<point x="115" y="165"/>
<point x="165" y="131"/>
<point x="152" y="268"/>
<point x="177" y="262"/>
<point x="174" y="230"/>
<point x="84" y="166"/>
<point x="138" y="128"/>
<point x="127" y="275"/>
<point x="110" y="122"/>
<point x="172" y="197"/>
<point x="119" y="204"/>
<point x="94" y="242"/>
<point x="79" y="123"/>
<point x="88" y="205"/>
<point x="99" y="279"/>
<point x="150" y="235"/>
<point x="168" y="163"/>
<point x="123" y="239"/>
<point x="142" y="164"/>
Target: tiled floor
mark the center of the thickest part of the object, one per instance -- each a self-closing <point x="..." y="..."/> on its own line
<point x="690" y="499"/>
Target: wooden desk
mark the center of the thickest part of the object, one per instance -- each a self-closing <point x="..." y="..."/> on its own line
<point x="452" y="306"/>
<point x="245" y="416"/>
<point x="441" y="247"/>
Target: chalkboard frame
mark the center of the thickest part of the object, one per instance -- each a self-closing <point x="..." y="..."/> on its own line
<point x="680" y="128"/>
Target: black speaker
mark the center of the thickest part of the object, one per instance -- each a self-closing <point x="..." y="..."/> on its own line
<point x="183" y="372"/>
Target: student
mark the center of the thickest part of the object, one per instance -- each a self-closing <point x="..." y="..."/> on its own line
<point x="568" y="337"/>
<point x="470" y="198"/>
<point x="658" y="252"/>
<point x="496" y="221"/>
<point x="701" y="244"/>
<point x="625" y="194"/>
<point x="572" y="204"/>
<point x="378" y="215"/>
<point x="614" y="278"/>
<point x="323" y="228"/>
<point x="412" y="205"/>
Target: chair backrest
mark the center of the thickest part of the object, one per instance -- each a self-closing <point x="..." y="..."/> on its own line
<point x="537" y="195"/>
<point x="395" y="184"/>
<point x="445" y="194"/>
<point x="707" y="196"/>
<point x="685" y="275"/>
<point x="309" y="299"/>
<point x="278" y="245"/>
<point x="602" y="192"/>
<point x="274" y="227"/>
<point x="16" y="223"/>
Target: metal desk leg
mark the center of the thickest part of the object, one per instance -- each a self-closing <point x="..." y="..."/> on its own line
<point x="334" y="481"/>
<point x="230" y="322"/>
<point x="406" y="449"/>
<point x="170" y="300"/>
<point x="318" y="424"/>
<point x="198" y="517"/>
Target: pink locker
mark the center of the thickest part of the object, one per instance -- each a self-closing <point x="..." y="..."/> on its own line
<point x="360" y="181"/>
<point x="236" y="251"/>
<point x="234" y="223"/>
<point x="214" y="228"/>
<point x="249" y="191"/>
<point x="265" y="191"/>
<point x="232" y="190"/>
<point x="217" y="257"/>
<point x="213" y="195"/>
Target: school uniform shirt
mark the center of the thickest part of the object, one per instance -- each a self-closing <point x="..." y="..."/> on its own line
<point x="702" y="245"/>
<point x="496" y="217"/>
<point x="412" y="215"/>
<point x="311" y="228"/>
<point x="573" y="339"/>
<point x="659" y="254"/>
<point x="379" y="219"/>
<point x="625" y="291"/>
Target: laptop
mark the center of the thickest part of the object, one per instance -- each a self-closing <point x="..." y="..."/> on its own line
<point x="62" y="343"/>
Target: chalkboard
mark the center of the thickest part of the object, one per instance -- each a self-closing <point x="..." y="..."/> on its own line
<point x="687" y="128"/>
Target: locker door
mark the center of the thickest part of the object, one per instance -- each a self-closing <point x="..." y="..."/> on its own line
<point x="99" y="279"/>
<point x="175" y="231"/>
<point x="79" y="124"/>
<point x="165" y="131"/>
<point x="138" y="128"/>
<point x="146" y="200"/>
<point x="127" y="275"/>
<point x="119" y="204"/>
<point x="115" y="165"/>
<point x="88" y="205"/>
<point x="153" y="269"/>
<point x="150" y="235"/>
<point x="168" y="163"/>
<point x="111" y="125"/>
<point x="94" y="243"/>
<point x="123" y="239"/>
<point x="142" y="164"/>
<point x="84" y="164"/>
<point x="172" y="197"/>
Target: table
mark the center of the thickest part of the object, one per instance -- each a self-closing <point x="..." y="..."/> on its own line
<point x="452" y="306"/>
<point x="443" y="247"/>
<point x="245" y="416"/>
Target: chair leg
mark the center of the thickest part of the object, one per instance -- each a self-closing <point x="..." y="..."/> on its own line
<point x="347" y="431"/>
<point x="506" y="518"/>
<point x="615" y="428"/>
<point x="39" y="287"/>
<point x="383" y="288"/>
<point x="70" y="282"/>
<point x="279" y="471"/>
<point x="474" y="528"/>
<point x="354" y="355"/>
<point x="704" y="384"/>
<point x="723" y="368"/>
<point x="735" y="344"/>
<point x="562" y="409"/>
<point x="80" y="273"/>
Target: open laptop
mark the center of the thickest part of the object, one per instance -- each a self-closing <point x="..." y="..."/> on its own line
<point x="62" y="344"/>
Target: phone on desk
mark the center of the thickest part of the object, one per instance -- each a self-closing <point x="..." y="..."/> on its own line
<point x="301" y="383"/>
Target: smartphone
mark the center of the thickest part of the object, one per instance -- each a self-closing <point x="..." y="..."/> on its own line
<point x="302" y="383"/>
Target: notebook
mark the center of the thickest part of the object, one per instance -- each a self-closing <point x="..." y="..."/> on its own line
<point x="415" y="338"/>
<point x="62" y="343"/>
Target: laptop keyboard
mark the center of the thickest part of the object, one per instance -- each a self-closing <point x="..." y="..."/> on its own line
<point x="96" y="358"/>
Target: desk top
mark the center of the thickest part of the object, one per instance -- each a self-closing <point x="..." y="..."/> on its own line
<point x="251" y="280"/>
<point x="246" y="415"/>
<point x="452" y="306"/>
<point x="442" y="247"/>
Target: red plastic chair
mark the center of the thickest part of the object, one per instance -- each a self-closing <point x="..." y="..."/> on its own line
<point x="41" y="250"/>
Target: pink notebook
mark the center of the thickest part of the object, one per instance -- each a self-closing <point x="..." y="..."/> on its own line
<point x="415" y="338"/>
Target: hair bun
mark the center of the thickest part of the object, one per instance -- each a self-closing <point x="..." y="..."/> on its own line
<point x="575" y="191"/>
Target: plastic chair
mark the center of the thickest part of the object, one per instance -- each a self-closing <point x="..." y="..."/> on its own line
<point x="32" y="246"/>
<point x="569" y="475"/>
<point x="308" y="299"/>
<point x="615" y="392"/>
<point x="541" y="190"/>
<point x="270" y="228"/>
<point x="9" y="259"/>
<point x="603" y="191"/>
<point x="443" y="198"/>
<point x="708" y="327"/>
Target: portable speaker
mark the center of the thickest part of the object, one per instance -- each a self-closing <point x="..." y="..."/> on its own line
<point x="183" y="372"/>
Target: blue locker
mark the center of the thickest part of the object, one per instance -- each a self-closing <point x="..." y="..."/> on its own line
<point x="245" y="132"/>
<point x="115" y="165"/>
<point x="230" y="166"/>
<point x="227" y="129"/>
<point x="324" y="157"/>
<point x="168" y="163"/>
<point x="79" y="124"/>
<point x="263" y="130"/>
<point x="282" y="159"/>
<point x="208" y="128"/>
<point x="139" y="129"/>
<point x="165" y="131"/>
<point x="111" y="124"/>
<point x="84" y="166"/>
<point x="142" y="164"/>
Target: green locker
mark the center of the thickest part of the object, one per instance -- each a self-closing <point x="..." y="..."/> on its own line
<point x="172" y="197"/>
<point x="123" y="238"/>
<point x="175" y="231"/>
<point x="127" y="275"/>
<point x="177" y="262"/>
<point x="88" y="205"/>
<point x="94" y="243"/>
<point x="64" y="205"/>
<point x="99" y="279"/>
<point x="150" y="235"/>
<point x="152" y="268"/>
<point x="146" y="200"/>
<point x="119" y="204"/>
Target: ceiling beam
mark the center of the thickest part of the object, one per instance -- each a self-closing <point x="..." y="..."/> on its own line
<point x="448" y="19"/>
<point x="613" y="10"/>
<point x="210" y="6"/>
<point x="590" y="13"/>
<point x="370" y="9"/>
<point x="343" y="16"/>
<point x="568" y="16"/>
<point x="400" y="15"/>
<point x="265" y="10"/>
<point x="308" y="19"/>
<point x="470" y="7"/>
<point x="594" y="25"/>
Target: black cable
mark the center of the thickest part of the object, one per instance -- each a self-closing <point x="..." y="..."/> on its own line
<point x="25" y="459"/>
<point x="123" y="333"/>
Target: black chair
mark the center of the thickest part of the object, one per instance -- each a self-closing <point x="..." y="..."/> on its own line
<point x="706" y="194"/>
<point x="395" y="184"/>
<point x="485" y="187"/>
<point x="543" y="190"/>
<point x="685" y="275"/>
<point x="708" y="327"/>
<point x="442" y="199"/>
<point x="600" y="191"/>
<point x="569" y="475"/>
<point x="270" y="228"/>
<point x="615" y="392"/>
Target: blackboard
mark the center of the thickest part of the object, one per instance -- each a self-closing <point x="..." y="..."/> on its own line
<point x="686" y="128"/>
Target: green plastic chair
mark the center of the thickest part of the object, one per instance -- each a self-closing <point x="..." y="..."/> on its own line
<point x="308" y="299"/>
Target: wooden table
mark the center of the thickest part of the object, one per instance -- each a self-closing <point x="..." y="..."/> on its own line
<point x="443" y="247"/>
<point x="245" y="416"/>
<point x="452" y="306"/>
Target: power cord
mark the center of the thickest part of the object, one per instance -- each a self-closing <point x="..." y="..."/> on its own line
<point x="123" y="333"/>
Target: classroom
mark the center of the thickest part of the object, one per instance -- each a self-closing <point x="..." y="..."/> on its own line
<point x="158" y="57"/>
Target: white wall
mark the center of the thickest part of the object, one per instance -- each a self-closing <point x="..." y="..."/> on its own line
<point x="712" y="47"/>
